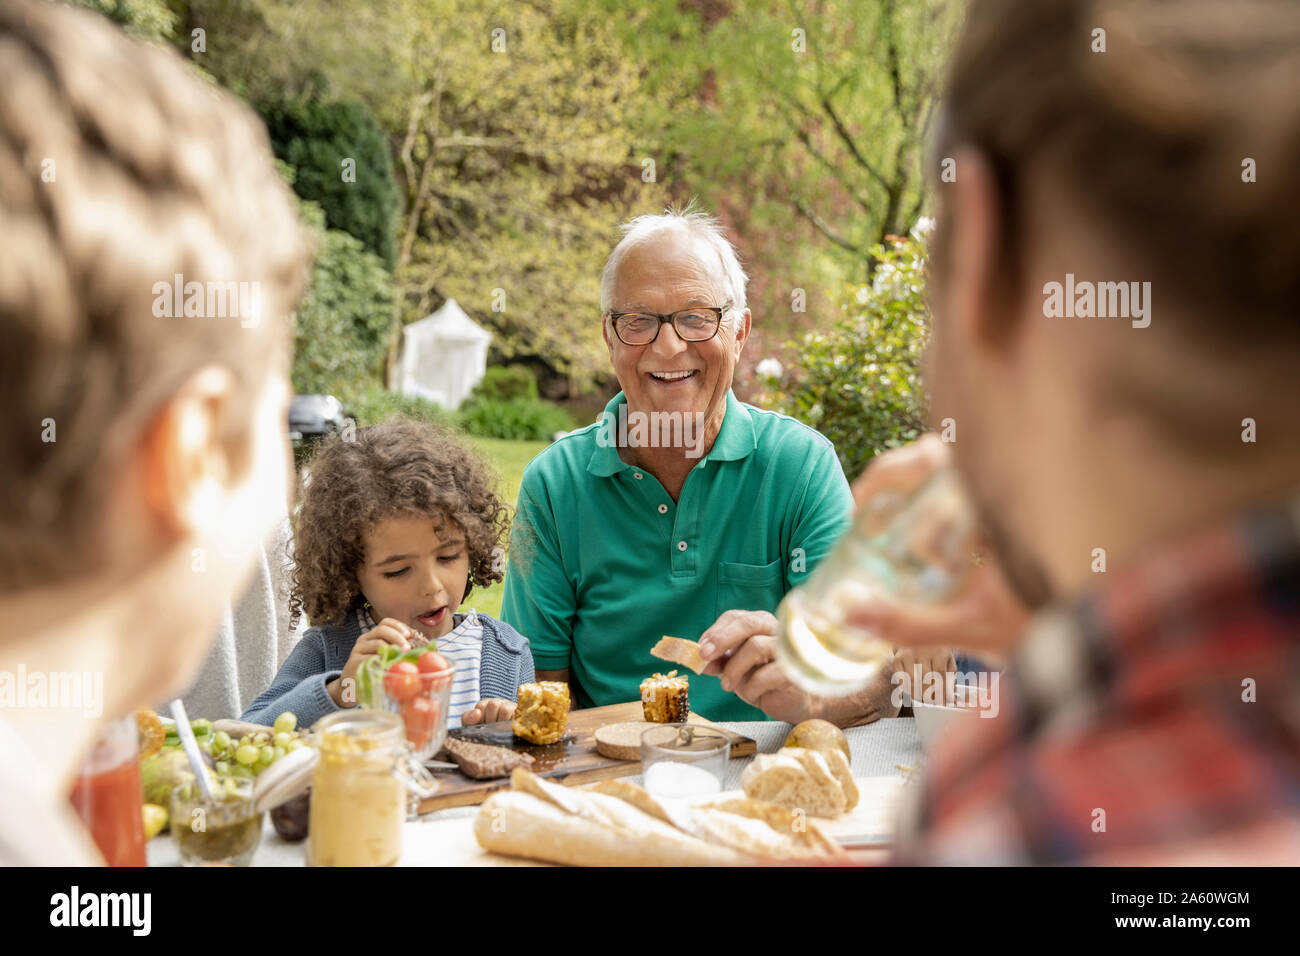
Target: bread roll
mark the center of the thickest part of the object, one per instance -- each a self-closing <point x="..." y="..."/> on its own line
<point x="797" y="778"/>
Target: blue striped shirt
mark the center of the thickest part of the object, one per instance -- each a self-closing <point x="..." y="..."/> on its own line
<point x="463" y="646"/>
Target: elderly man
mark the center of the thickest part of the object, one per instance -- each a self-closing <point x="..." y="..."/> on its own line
<point x="684" y="511"/>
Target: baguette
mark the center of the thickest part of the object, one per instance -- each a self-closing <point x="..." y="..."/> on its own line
<point x="616" y="823"/>
<point x="521" y="824"/>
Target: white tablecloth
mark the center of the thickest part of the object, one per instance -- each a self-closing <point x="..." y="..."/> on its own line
<point x="878" y="748"/>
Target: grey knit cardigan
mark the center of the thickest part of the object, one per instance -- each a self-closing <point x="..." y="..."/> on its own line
<point x="319" y="657"/>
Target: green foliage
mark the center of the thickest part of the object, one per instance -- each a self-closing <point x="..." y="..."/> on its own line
<point x="518" y="137"/>
<point x="317" y="138"/>
<point x="824" y="116"/>
<point x="341" y="326"/>
<point x="504" y="382"/>
<point x="860" y="382"/>
<point x="515" y="418"/>
<point x="373" y="405"/>
<point x="150" y="19"/>
<point x="508" y="459"/>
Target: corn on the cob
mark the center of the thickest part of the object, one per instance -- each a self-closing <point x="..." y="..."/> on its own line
<point x="542" y="714"/>
<point x="665" y="699"/>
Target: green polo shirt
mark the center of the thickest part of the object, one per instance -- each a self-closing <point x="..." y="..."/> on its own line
<point x="603" y="563"/>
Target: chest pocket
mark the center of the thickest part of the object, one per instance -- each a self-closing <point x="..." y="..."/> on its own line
<point x="749" y="587"/>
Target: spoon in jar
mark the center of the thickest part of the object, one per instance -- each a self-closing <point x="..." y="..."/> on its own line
<point x="191" y="746"/>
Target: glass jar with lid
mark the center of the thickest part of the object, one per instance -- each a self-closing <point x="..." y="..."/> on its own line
<point x="359" y="789"/>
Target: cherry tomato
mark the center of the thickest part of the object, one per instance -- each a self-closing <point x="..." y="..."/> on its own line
<point x="435" y="672"/>
<point x="430" y="662"/>
<point x="421" y="715"/>
<point x="402" y="681"/>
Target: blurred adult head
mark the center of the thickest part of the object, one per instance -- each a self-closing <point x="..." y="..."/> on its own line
<point x="150" y="257"/>
<point x="677" y="262"/>
<point x="1090" y="142"/>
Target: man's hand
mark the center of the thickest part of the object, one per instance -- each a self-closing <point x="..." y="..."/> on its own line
<point x="918" y="662"/>
<point x="741" y="649"/>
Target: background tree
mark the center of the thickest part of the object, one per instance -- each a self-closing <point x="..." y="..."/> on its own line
<point x="341" y="325"/>
<point x="340" y="154"/>
<point x="808" y="135"/>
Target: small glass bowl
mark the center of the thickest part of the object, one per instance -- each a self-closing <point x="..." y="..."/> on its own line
<point x="684" y="760"/>
<point x="424" y="712"/>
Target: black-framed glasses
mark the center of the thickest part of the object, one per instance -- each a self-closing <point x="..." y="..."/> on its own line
<point x="691" y="325"/>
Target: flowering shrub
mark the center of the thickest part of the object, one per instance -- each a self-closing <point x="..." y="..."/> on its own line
<point x="859" y="381"/>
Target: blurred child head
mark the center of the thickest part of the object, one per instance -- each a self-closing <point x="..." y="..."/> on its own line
<point x="141" y="449"/>
<point x="402" y="518"/>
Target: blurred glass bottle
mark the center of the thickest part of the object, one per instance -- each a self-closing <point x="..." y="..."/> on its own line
<point x="906" y="549"/>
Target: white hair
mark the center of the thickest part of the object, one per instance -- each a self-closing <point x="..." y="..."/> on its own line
<point x="692" y="222"/>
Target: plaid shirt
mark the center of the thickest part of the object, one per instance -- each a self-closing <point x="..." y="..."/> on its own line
<point x="1155" y="722"/>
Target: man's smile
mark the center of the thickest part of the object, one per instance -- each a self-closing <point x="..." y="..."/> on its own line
<point x="674" y="378"/>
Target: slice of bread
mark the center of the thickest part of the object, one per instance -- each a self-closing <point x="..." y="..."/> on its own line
<point x="679" y="651"/>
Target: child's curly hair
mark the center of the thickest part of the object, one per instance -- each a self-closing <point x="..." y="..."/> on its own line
<point x="398" y="468"/>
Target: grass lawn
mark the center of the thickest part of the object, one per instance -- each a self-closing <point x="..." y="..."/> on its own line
<point x="508" y="459"/>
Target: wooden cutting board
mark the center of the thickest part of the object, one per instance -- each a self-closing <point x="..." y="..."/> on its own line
<point x="572" y="761"/>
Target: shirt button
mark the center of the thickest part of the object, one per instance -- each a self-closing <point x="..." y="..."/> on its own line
<point x="681" y="545"/>
<point x="636" y="475"/>
<point x="663" y="509"/>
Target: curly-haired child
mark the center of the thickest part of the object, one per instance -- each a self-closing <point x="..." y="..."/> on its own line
<point x="397" y="526"/>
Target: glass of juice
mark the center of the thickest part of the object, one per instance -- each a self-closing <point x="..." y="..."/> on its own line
<point x="107" y="795"/>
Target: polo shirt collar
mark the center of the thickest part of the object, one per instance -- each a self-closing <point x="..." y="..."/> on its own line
<point x="736" y="438"/>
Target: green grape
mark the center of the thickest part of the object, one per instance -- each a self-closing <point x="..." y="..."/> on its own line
<point x="220" y="741"/>
<point x="246" y="755"/>
<point x="266" y="755"/>
<point x="239" y="770"/>
<point x="223" y="768"/>
<point x="281" y="739"/>
<point x="286" y="723"/>
<point x="205" y="744"/>
<point x="296" y="744"/>
<point x="279" y="752"/>
<point x="261" y="740"/>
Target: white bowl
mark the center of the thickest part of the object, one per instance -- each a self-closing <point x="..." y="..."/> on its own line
<point x="933" y="720"/>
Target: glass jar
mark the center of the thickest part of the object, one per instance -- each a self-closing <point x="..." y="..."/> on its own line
<point x="107" y="794"/>
<point x="223" y="830"/>
<point x="683" y="760"/>
<point x="359" y="789"/>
